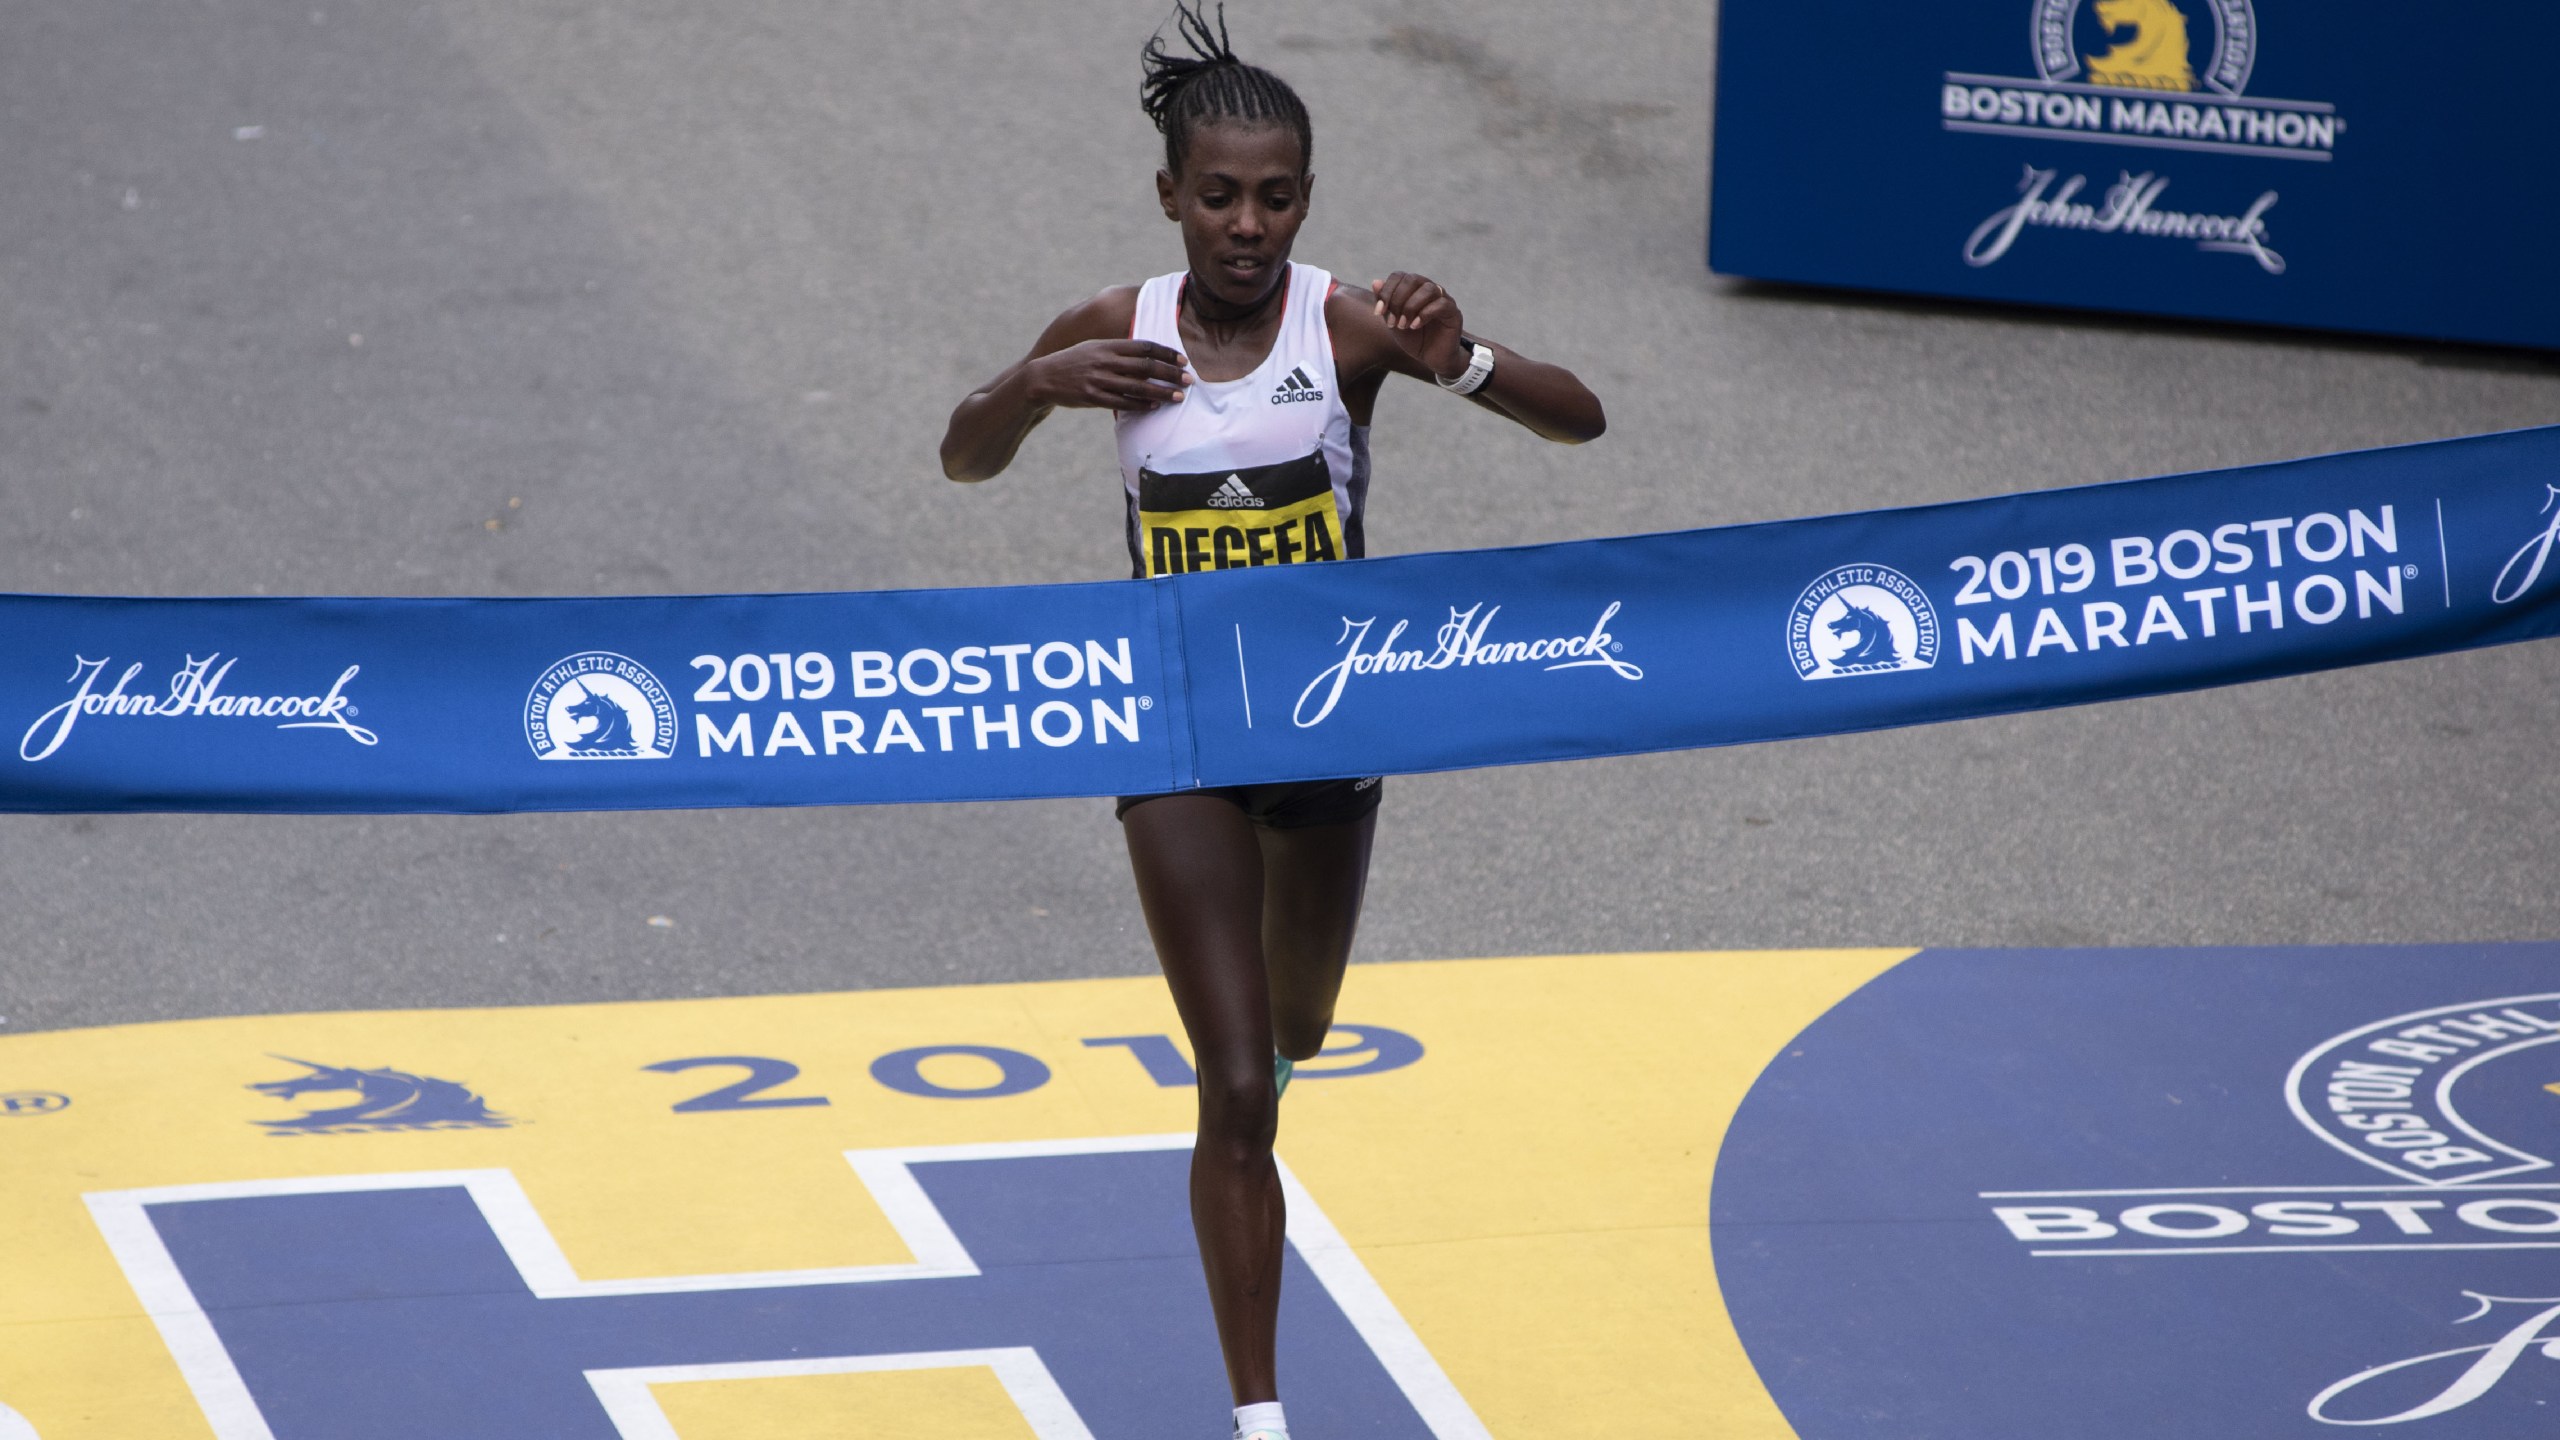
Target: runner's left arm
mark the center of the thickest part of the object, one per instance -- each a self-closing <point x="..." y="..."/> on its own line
<point x="1409" y="325"/>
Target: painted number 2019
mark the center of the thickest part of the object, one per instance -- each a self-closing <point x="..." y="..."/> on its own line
<point x="983" y="1072"/>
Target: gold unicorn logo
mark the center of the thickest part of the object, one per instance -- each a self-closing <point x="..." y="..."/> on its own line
<point x="2154" y="57"/>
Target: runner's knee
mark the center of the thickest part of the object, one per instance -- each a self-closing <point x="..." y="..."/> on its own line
<point x="1239" y="1108"/>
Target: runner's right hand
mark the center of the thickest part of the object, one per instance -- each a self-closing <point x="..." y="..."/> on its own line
<point x="1110" y="375"/>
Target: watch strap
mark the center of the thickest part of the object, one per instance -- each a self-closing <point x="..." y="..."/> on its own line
<point x="1479" y="369"/>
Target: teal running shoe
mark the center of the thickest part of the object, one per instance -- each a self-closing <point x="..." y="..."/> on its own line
<point x="1282" y="1067"/>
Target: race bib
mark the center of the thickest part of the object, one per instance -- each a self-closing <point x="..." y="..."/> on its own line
<point x="1266" y="515"/>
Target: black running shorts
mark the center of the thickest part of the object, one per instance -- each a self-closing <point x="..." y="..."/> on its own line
<point x="1297" y="805"/>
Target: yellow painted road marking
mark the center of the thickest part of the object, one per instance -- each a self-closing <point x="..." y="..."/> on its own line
<point x="1532" y="1195"/>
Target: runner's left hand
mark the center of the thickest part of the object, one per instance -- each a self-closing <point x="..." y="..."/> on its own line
<point x="1424" y="322"/>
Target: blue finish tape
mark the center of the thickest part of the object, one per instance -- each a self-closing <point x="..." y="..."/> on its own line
<point x="1423" y="662"/>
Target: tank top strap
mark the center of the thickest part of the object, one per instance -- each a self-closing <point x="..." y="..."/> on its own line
<point x="1302" y="329"/>
<point x="1158" y="319"/>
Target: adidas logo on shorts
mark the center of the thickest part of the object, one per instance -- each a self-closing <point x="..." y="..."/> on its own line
<point x="1296" y="389"/>
<point x="1234" y="496"/>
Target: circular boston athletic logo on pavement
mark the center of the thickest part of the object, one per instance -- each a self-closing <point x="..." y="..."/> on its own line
<point x="597" y="705"/>
<point x="1861" y="620"/>
<point x="2279" y="1194"/>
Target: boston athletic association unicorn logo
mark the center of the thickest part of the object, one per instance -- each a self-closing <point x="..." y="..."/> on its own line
<point x="2153" y="57"/>
<point x="597" y="705"/>
<point x="1861" y="620"/>
<point x="2176" y="46"/>
<point x="385" y="1100"/>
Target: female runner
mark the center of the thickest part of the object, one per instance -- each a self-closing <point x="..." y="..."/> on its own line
<point x="1242" y="387"/>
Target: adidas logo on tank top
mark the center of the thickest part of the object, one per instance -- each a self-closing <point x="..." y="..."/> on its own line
<point x="1297" y="388"/>
<point x="1234" y="496"/>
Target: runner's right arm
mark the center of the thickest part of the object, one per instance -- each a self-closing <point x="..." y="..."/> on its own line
<point x="1084" y="360"/>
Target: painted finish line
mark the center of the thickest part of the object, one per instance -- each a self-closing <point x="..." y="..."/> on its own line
<point x="1415" y="663"/>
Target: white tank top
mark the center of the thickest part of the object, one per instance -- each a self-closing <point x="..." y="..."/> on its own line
<point x="1266" y="470"/>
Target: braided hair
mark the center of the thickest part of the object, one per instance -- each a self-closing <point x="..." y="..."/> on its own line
<point x="1183" y="92"/>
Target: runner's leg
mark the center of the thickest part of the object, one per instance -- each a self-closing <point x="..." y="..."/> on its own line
<point x="1312" y="882"/>
<point x="1200" y="879"/>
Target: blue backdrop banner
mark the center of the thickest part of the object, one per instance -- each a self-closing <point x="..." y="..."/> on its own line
<point x="2295" y="162"/>
<point x="1424" y="662"/>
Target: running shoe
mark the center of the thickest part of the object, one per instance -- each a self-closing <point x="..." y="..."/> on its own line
<point x="1282" y="1067"/>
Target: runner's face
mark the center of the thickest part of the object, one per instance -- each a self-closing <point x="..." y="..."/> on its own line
<point x="1240" y="198"/>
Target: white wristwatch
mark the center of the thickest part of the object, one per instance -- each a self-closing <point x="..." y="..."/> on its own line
<point x="1479" y="370"/>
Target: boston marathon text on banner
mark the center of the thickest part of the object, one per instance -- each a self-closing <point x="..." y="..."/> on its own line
<point x="1266" y="673"/>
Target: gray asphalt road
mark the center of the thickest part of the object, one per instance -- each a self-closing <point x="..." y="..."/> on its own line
<point x="532" y="296"/>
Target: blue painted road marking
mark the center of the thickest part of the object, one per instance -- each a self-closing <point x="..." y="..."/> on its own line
<point x="2116" y="1195"/>
<point x="433" y="1310"/>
